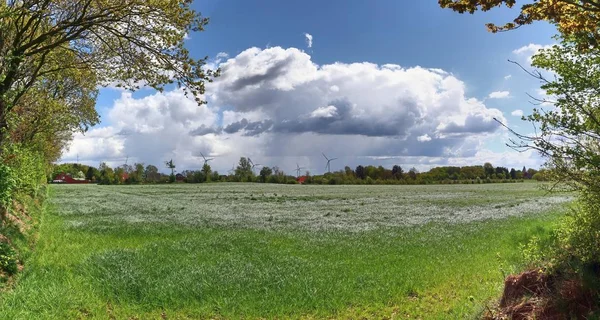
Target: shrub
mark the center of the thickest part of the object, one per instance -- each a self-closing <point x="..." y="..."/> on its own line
<point x="8" y="184"/>
<point x="8" y="259"/>
<point x="28" y="169"/>
<point x="576" y="241"/>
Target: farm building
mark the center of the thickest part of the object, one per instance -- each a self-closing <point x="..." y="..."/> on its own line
<point x="66" y="178"/>
<point x="301" y="179"/>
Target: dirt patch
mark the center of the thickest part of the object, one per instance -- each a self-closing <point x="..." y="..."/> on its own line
<point x="534" y="294"/>
<point x="18" y="217"/>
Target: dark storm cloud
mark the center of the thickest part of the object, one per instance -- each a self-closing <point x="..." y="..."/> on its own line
<point x="250" y="128"/>
<point x="275" y="70"/>
<point x="258" y="127"/>
<point x="343" y="122"/>
<point x="236" y="126"/>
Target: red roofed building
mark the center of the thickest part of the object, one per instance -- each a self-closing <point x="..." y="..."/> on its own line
<point x="301" y="179"/>
<point x="66" y="178"/>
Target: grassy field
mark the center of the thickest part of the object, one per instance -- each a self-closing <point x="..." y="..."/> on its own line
<point x="277" y="251"/>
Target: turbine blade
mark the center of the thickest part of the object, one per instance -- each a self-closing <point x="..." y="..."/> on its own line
<point x="325" y="156"/>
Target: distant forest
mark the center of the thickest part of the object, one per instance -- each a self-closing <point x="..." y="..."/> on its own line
<point x="246" y="172"/>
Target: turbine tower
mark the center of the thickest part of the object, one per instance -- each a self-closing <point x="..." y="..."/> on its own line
<point x="328" y="165"/>
<point x="232" y="169"/>
<point x="298" y="168"/>
<point x="205" y="159"/>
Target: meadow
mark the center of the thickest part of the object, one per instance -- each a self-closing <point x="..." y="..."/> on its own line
<point x="232" y="251"/>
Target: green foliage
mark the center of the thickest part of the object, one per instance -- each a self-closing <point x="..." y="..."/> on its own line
<point x="265" y="172"/>
<point x="8" y="183"/>
<point x="206" y="170"/>
<point x="243" y="171"/>
<point x="577" y="240"/>
<point x="28" y="168"/>
<point x="8" y="258"/>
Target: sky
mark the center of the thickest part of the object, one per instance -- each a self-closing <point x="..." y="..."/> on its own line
<point x="368" y="82"/>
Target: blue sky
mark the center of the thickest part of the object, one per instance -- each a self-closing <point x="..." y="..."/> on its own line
<point x="403" y="33"/>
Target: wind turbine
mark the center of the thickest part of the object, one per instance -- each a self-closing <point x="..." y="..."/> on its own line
<point x="232" y="169"/>
<point x="253" y="164"/>
<point x="206" y="160"/>
<point x="298" y="168"/>
<point x="328" y="165"/>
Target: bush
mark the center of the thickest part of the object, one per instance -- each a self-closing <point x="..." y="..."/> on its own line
<point x="576" y="241"/>
<point x="8" y="184"/>
<point x="28" y="169"/>
<point x="8" y="259"/>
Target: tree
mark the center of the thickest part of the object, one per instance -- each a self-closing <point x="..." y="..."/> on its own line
<point x="488" y="168"/>
<point x="412" y="173"/>
<point x="91" y="174"/>
<point x="171" y="166"/>
<point x="106" y="174"/>
<point x="151" y="174"/>
<point x="568" y="134"/>
<point x="360" y="172"/>
<point x="348" y="171"/>
<point x="206" y="171"/>
<point x="131" y="42"/>
<point x="215" y="176"/>
<point x="513" y="173"/>
<point x="397" y="171"/>
<point x="243" y="172"/>
<point x="575" y="19"/>
<point x="265" y="172"/>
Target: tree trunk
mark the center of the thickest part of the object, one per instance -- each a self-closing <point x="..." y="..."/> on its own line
<point x="3" y="126"/>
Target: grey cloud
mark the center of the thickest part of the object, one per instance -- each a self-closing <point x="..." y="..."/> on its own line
<point x="254" y="128"/>
<point x="343" y="122"/>
<point x="473" y="124"/>
<point x="258" y="127"/>
<point x="275" y="70"/>
<point x="204" y="130"/>
<point x="236" y="126"/>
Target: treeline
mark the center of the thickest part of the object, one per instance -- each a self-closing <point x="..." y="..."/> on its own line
<point x="246" y="172"/>
<point x="438" y="175"/>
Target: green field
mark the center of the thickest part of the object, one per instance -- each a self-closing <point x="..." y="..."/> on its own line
<point x="277" y="251"/>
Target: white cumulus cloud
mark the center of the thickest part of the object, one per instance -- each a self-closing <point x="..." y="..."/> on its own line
<point x="517" y="113"/>
<point x="499" y="95"/>
<point x="424" y="138"/>
<point x="530" y="50"/>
